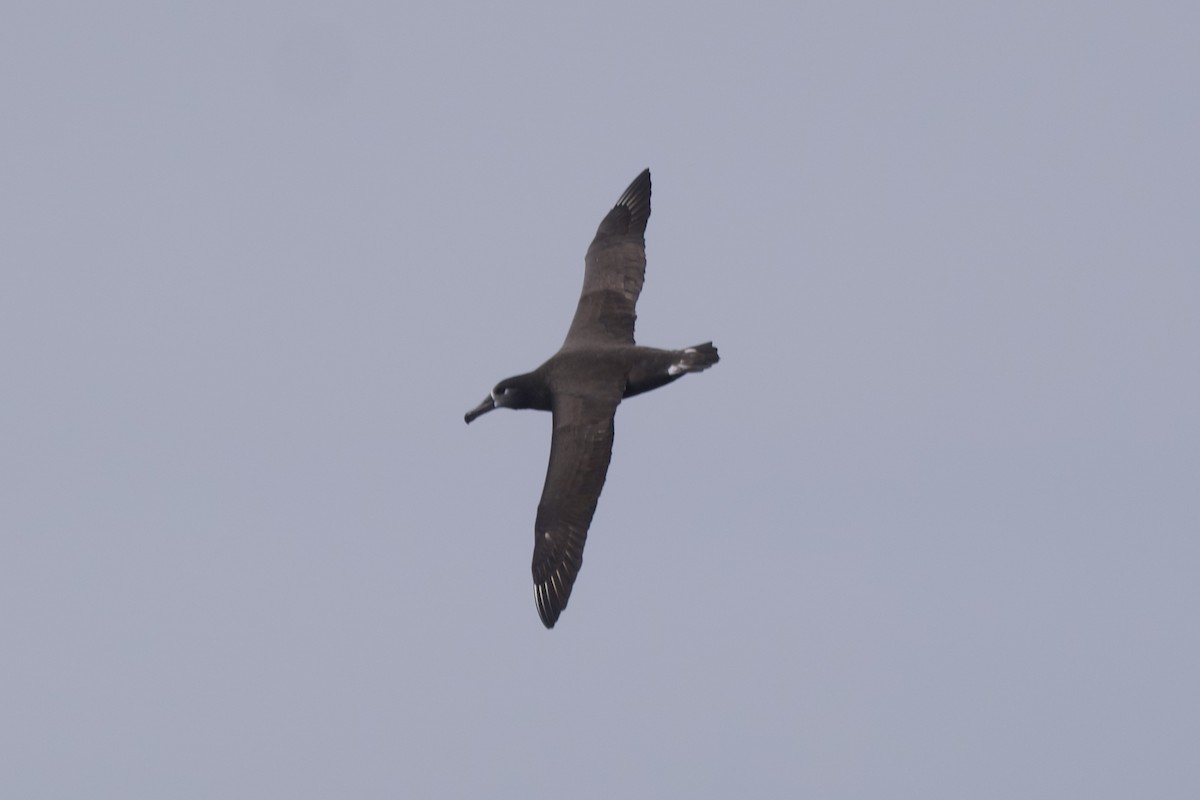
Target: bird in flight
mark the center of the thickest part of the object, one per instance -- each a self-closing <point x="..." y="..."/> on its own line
<point x="597" y="366"/>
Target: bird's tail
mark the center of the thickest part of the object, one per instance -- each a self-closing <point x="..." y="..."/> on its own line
<point x="695" y="359"/>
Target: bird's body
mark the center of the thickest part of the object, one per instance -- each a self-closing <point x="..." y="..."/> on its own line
<point x="597" y="366"/>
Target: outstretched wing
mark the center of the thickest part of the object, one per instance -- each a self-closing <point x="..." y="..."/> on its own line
<point x="614" y="269"/>
<point x="579" y="454"/>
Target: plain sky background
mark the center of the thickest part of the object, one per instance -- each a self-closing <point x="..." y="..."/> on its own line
<point x="930" y="530"/>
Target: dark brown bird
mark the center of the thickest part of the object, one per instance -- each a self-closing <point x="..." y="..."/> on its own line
<point x="597" y="366"/>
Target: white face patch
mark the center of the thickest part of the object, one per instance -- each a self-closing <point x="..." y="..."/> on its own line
<point x="546" y="536"/>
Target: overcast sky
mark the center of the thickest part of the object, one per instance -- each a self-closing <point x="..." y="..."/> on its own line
<point x="931" y="529"/>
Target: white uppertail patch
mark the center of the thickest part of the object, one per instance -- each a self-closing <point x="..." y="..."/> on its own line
<point x="684" y="364"/>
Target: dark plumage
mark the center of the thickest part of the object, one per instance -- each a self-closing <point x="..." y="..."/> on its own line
<point x="597" y="366"/>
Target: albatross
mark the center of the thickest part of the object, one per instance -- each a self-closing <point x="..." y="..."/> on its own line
<point x="598" y="365"/>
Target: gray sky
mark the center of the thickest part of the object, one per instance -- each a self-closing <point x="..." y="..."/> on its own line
<point x="930" y="530"/>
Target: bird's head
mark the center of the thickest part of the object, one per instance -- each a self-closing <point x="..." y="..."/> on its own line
<point x="516" y="392"/>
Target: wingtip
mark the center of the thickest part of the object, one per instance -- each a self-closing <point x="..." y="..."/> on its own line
<point x="638" y="186"/>
<point x="547" y="609"/>
<point x="636" y="198"/>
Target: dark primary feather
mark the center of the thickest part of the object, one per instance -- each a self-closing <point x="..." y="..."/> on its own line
<point x="615" y="267"/>
<point x="579" y="454"/>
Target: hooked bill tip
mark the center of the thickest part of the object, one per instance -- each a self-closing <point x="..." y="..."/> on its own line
<point x="487" y="405"/>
